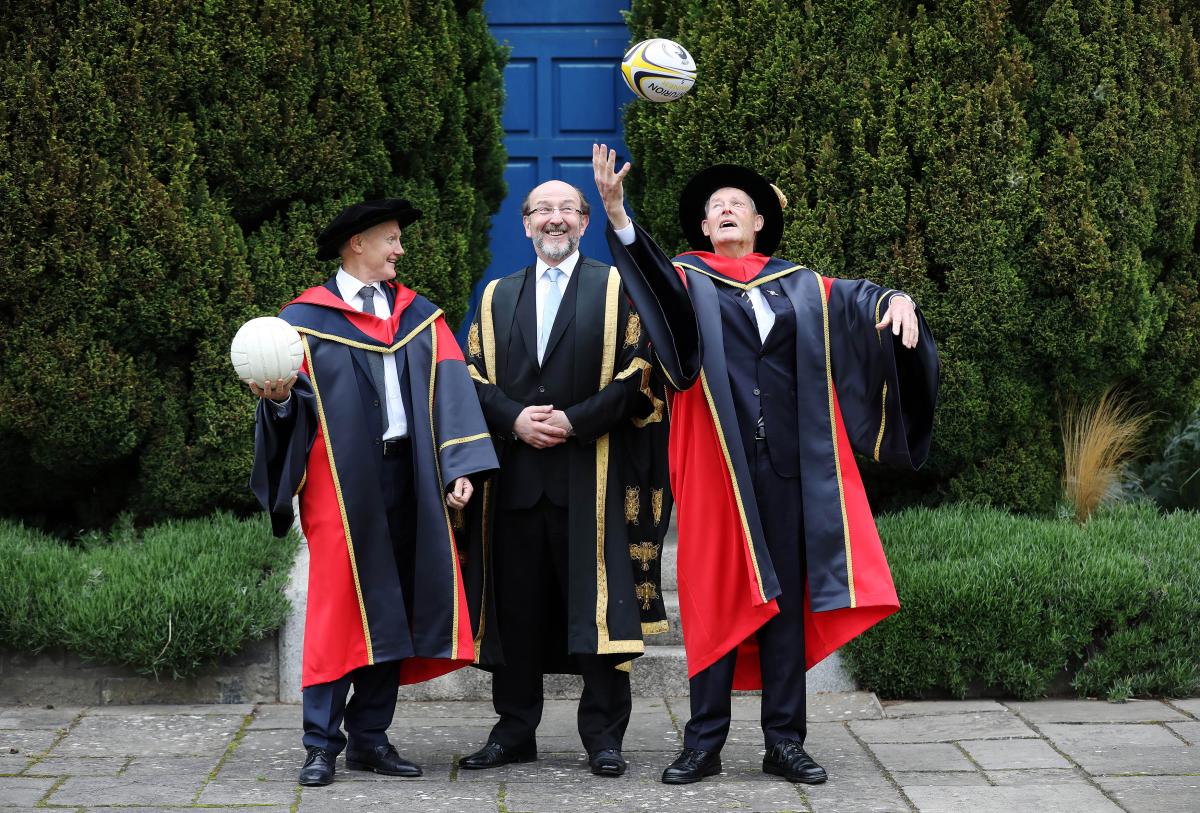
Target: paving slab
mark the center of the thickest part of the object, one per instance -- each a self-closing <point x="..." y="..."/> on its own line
<point x="145" y="734"/>
<point x="25" y="717"/>
<point x="77" y="766"/>
<point x="863" y="795"/>
<point x="1189" y="705"/>
<point x="173" y="710"/>
<point x="248" y="792"/>
<point x="265" y="754"/>
<point x="1013" y="754"/>
<point x="930" y="708"/>
<point x="905" y="778"/>
<point x="342" y="798"/>
<point x="1095" y="711"/>
<point x="277" y="715"/>
<point x="166" y="790"/>
<point x="956" y="799"/>
<point x="1190" y="732"/>
<point x="611" y="797"/>
<point x="32" y="741"/>
<point x="826" y="707"/>
<point x="943" y="728"/>
<point x="1157" y="794"/>
<point x="1125" y="749"/>
<point x="1037" y="776"/>
<point x="932" y="756"/>
<point x="20" y="790"/>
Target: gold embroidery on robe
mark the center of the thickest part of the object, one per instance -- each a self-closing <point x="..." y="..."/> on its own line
<point x="633" y="504"/>
<point x="656" y="502"/>
<point x="644" y="552"/>
<point x="633" y="330"/>
<point x="474" y="345"/>
<point x="646" y="594"/>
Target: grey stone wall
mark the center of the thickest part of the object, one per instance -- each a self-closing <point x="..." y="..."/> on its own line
<point x="60" y="678"/>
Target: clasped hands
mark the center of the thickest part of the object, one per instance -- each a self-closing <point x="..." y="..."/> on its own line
<point x="542" y="426"/>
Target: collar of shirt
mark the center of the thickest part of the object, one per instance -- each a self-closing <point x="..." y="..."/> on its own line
<point x="349" y="286"/>
<point x="567" y="267"/>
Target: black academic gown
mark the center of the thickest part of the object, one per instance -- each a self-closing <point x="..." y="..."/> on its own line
<point x="327" y="451"/>
<point x="595" y="369"/>
<point x="856" y="391"/>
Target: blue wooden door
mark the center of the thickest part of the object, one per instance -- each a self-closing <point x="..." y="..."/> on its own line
<point x="564" y="92"/>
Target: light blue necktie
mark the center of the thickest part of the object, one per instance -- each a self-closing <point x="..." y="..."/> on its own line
<point x="549" y="310"/>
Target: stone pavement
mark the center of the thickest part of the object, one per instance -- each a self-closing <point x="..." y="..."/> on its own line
<point x="976" y="755"/>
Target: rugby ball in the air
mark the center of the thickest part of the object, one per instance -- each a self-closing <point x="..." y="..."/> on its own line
<point x="659" y="70"/>
<point x="266" y="349"/>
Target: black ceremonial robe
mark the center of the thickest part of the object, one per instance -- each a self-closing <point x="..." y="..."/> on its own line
<point x="597" y="359"/>
<point x="327" y="451"/>
<point x="857" y="391"/>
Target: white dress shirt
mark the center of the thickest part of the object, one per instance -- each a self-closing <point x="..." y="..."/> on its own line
<point x="543" y="283"/>
<point x="351" y="290"/>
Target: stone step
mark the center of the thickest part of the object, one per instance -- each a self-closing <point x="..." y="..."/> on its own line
<point x="674" y="634"/>
<point x="661" y="672"/>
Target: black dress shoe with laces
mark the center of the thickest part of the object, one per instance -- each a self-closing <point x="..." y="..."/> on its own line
<point x="382" y="759"/>
<point x="789" y="760"/>
<point x="493" y="755"/>
<point x="692" y="766"/>
<point x="318" y="767"/>
<point x="608" y="762"/>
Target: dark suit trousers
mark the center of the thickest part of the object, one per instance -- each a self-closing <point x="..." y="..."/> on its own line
<point x="531" y="601"/>
<point x="780" y="640"/>
<point x="369" y="711"/>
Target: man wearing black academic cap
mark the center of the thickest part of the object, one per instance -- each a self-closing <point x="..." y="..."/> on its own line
<point x="378" y="435"/>
<point x="780" y="376"/>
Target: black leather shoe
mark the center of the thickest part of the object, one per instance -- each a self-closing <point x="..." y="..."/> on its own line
<point x="789" y="760"/>
<point x="493" y="755"/>
<point x="318" y="767"/>
<point x="692" y="766"/>
<point x="382" y="759"/>
<point x="608" y="762"/>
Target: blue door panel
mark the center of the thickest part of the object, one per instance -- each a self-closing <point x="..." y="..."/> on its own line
<point x="564" y="93"/>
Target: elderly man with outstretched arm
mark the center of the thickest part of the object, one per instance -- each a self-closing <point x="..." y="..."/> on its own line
<point x="780" y="375"/>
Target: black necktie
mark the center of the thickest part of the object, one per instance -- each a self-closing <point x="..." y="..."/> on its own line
<point x="376" y="359"/>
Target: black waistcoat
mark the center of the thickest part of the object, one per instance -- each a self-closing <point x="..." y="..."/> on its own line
<point x="762" y="375"/>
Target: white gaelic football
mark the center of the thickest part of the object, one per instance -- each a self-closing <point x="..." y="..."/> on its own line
<point x="659" y="70"/>
<point x="266" y="349"/>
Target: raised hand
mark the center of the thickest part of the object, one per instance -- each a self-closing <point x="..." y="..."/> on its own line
<point x="610" y="184"/>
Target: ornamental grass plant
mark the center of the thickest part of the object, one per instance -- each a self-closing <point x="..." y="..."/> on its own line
<point x="166" y="601"/>
<point x="1099" y="438"/>
<point x="1005" y="605"/>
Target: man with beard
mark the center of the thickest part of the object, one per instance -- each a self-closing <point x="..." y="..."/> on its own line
<point x="558" y="361"/>
<point x="780" y="376"/>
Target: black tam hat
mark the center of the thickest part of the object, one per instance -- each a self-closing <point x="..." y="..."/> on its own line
<point x="768" y="200"/>
<point x="360" y="217"/>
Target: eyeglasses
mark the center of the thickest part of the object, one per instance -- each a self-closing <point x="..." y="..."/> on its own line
<point x="546" y="211"/>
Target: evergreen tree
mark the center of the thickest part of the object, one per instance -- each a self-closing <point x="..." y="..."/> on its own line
<point x="164" y="168"/>
<point x="1026" y="170"/>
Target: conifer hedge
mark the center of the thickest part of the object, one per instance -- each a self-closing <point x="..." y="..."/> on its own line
<point x="1026" y="170"/>
<point x="164" y="167"/>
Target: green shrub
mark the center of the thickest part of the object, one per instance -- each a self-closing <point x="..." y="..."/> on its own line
<point x="993" y="603"/>
<point x="1172" y="479"/>
<point x="166" y="601"/>
<point x="164" y="168"/>
<point x="1026" y="171"/>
